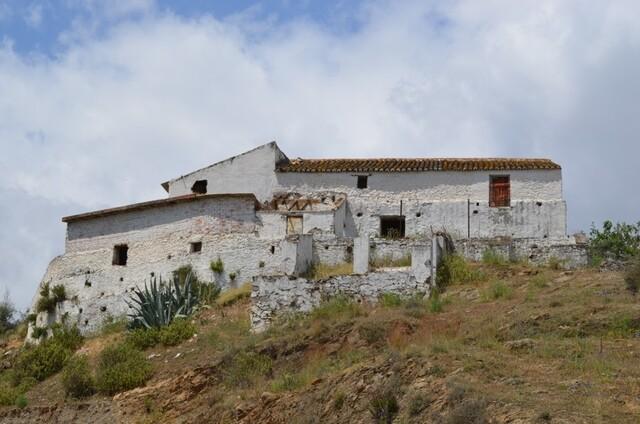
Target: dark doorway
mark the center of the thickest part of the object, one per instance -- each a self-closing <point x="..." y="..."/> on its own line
<point x="392" y="226"/>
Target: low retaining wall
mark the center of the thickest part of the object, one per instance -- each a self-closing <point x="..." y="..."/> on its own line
<point x="537" y="251"/>
<point x="282" y="293"/>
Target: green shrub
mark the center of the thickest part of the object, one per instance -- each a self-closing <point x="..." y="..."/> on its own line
<point x="49" y="357"/>
<point x="176" y="332"/>
<point x="77" y="379"/>
<point x="21" y="401"/>
<point x="217" y="266"/>
<point x="45" y="304"/>
<point x="390" y="300"/>
<point x="632" y="275"/>
<point x="436" y="304"/>
<point x="39" y="332"/>
<point x="143" y="338"/>
<point x="338" y="307"/>
<point x="121" y="367"/>
<point x="418" y="402"/>
<point x="231" y="296"/>
<point x="111" y="325"/>
<point x="8" y="394"/>
<point x="244" y="367"/>
<point x="59" y="293"/>
<point x="619" y="241"/>
<point x="491" y="257"/>
<point x="7" y="312"/>
<point x="497" y="290"/>
<point x="454" y="269"/>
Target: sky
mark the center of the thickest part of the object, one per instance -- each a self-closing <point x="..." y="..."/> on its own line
<point x="101" y="101"/>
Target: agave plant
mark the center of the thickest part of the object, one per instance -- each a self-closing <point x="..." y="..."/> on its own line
<point x="158" y="304"/>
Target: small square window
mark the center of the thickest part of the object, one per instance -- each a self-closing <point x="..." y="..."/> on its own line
<point x="362" y="181"/>
<point x="199" y="187"/>
<point x="120" y="254"/>
<point x="196" y="247"/>
<point x="392" y="227"/>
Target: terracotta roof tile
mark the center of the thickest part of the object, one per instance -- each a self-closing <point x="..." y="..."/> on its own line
<point x="415" y="165"/>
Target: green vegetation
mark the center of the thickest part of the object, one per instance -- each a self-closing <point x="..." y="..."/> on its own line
<point x="391" y="262"/>
<point x="454" y="269"/>
<point x="7" y="314"/>
<point x="383" y="405"/>
<point x="207" y="293"/>
<point x="619" y="241"/>
<point x="171" y="335"/>
<point x="497" y="290"/>
<point x="632" y="275"/>
<point x="159" y="304"/>
<point x="121" y="367"/>
<point x="390" y="300"/>
<point x="243" y="368"/>
<point x="492" y="257"/>
<point x="231" y="296"/>
<point x="322" y="271"/>
<point x="77" y="379"/>
<point x="59" y="293"/>
<point x="338" y="307"/>
<point x="217" y="266"/>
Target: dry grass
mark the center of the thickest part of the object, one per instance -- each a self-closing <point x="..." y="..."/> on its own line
<point x="322" y="271"/>
<point x="232" y="295"/>
<point x="391" y="262"/>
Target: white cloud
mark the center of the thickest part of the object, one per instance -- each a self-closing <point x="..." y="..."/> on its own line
<point x="110" y="118"/>
<point x="33" y="15"/>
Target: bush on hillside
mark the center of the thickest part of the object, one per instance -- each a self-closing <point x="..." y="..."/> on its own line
<point x="121" y="367"/>
<point x="632" y="275"/>
<point x="620" y="241"/>
<point x="77" y="379"/>
<point x="454" y="269"/>
<point x="7" y="314"/>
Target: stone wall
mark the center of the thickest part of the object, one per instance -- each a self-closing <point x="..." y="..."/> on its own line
<point x="273" y="294"/>
<point x="537" y="251"/>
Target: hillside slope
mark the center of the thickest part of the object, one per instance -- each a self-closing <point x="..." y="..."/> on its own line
<point x="514" y="344"/>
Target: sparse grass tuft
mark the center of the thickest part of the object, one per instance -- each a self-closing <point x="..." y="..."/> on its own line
<point x="232" y="295"/>
<point x="391" y="262"/>
<point x="390" y="300"/>
<point x="497" y="290"/>
<point x="288" y="382"/>
<point x="338" y="307"/>
<point x="243" y="368"/>
<point x="555" y="263"/>
<point x="492" y="257"/>
<point x="454" y="269"/>
<point x="322" y="271"/>
<point x="383" y="405"/>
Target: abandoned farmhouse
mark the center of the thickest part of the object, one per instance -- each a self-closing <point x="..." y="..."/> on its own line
<point x="268" y="219"/>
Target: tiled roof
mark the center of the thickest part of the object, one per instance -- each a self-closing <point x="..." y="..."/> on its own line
<point x="153" y="204"/>
<point x="415" y="165"/>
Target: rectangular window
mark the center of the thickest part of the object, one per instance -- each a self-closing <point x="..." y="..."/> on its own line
<point x="362" y="181"/>
<point x="120" y="252"/>
<point x="196" y="247"/>
<point x="499" y="191"/>
<point x="294" y="224"/>
<point x="392" y="226"/>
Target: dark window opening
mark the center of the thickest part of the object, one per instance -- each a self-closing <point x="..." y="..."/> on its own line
<point x="362" y="181"/>
<point x="120" y="254"/>
<point x="199" y="187"/>
<point x="272" y="249"/>
<point x="392" y="226"/>
<point x="499" y="191"/>
<point x="196" y="247"/>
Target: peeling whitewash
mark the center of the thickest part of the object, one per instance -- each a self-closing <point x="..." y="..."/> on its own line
<point x="237" y="222"/>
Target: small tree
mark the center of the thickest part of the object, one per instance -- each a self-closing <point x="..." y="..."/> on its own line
<point x="7" y="314"/>
<point x="632" y="276"/>
<point x="619" y="241"/>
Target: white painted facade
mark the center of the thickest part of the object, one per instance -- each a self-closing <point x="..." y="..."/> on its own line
<point x="236" y="221"/>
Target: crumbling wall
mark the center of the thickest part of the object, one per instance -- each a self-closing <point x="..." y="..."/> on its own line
<point x="272" y="294"/>
<point x="540" y="251"/>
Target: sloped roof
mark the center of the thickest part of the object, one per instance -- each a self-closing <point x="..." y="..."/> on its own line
<point x="415" y="164"/>
<point x="154" y="204"/>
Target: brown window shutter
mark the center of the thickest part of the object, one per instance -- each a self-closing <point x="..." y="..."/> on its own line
<point x="500" y="191"/>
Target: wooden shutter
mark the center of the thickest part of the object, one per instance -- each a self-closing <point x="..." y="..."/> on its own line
<point x="294" y="225"/>
<point x="500" y="191"/>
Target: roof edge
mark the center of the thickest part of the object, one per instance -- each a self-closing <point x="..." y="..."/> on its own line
<point x="170" y="201"/>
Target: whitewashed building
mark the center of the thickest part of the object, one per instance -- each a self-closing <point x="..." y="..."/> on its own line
<point x="263" y="214"/>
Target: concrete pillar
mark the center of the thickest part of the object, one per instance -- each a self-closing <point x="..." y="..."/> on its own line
<point x="361" y="255"/>
<point x="297" y="254"/>
<point x="435" y="258"/>
<point x="421" y="262"/>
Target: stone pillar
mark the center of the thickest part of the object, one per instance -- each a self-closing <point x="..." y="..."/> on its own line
<point x="435" y="258"/>
<point x="421" y="263"/>
<point x="361" y="255"/>
<point x="296" y="254"/>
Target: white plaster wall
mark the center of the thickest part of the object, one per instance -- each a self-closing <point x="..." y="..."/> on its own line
<point x="440" y="200"/>
<point x="250" y="172"/>
<point x="158" y="244"/>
